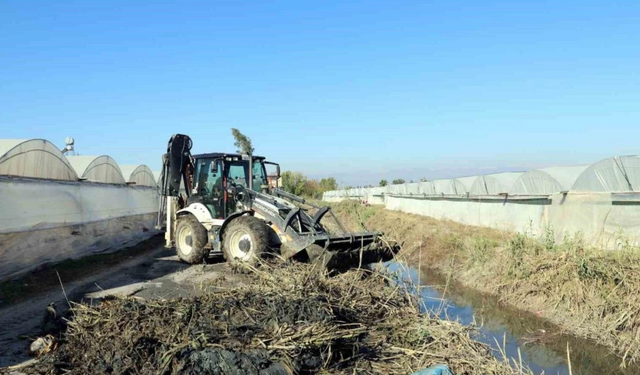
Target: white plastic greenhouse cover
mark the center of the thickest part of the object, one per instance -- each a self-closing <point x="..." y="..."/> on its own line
<point x="398" y="189"/>
<point x="97" y="168"/>
<point x="34" y="158"/>
<point x="376" y="191"/>
<point x="446" y="187"/>
<point x="413" y="188"/>
<point x="427" y="188"/>
<point x="547" y="181"/>
<point x="464" y="184"/>
<point x="617" y="174"/>
<point x="494" y="184"/>
<point x="141" y="175"/>
<point x="156" y="176"/>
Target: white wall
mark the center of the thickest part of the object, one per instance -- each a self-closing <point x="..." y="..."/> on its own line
<point x="38" y="204"/>
<point x="604" y="220"/>
<point x="47" y="221"/>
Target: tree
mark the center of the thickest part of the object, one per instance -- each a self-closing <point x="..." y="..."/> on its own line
<point x="424" y="179"/>
<point x="242" y="142"/>
<point x="327" y="184"/>
<point x="294" y="182"/>
<point x="312" y="189"/>
<point x="383" y="183"/>
<point x="297" y="183"/>
<point x="398" y="181"/>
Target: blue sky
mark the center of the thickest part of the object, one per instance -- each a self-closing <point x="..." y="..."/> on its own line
<point x="355" y="89"/>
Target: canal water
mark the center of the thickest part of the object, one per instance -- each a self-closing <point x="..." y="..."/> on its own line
<point x="542" y="345"/>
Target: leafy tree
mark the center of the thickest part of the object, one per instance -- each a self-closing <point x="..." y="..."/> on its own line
<point x="242" y="142"/>
<point x="327" y="184"/>
<point x="383" y="183"/>
<point x="294" y="182"/>
<point x="312" y="189"/>
<point x="297" y="183"/>
<point x="398" y="181"/>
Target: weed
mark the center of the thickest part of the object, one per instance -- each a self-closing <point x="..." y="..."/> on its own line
<point x="287" y="318"/>
<point x="588" y="291"/>
<point x="482" y="251"/>
<point x="549" y="239"/>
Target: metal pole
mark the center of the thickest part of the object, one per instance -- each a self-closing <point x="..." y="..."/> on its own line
<point x="168" y="235"/>
<point x="250" y="172"/>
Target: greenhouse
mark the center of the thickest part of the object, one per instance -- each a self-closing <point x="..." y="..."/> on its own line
<point x="547" y="181"/>
<point x="413" y="188"/>
<point x="616" y="174"/>
<point x="34" y="158"/>
<point x="427" y="188"/>
<point x="156" y="176"/>
<point x="141" y="175"/>
<point x="494" y="184"/>
<point x="464" y="184"/>
<point x="97" y="169"/>
<point x="446" y="187"/>
<point x="397" y="189"/>
<point x="599" y="202"/>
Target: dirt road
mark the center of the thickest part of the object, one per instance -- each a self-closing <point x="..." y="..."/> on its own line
<point x="154" y="273"/>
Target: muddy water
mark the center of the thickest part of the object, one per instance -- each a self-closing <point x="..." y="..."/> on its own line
<point x="542" y="345"/>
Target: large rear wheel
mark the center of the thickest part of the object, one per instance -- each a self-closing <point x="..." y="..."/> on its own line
<point x="245" y="240"/>
<point x="191" y="238"/>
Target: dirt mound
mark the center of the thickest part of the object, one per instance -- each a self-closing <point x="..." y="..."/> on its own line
<point x="287" y="319"/>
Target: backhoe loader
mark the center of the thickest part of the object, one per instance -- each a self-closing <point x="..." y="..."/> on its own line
<point x="223" y="204"/>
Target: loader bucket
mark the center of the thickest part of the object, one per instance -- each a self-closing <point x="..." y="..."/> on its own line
<point x="355" y="249"/>
<point x="347" y="242"/>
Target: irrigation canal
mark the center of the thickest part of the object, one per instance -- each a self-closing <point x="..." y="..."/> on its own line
<point x="511" y="333"/>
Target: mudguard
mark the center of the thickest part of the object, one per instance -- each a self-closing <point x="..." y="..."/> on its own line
<point x="231" y="217"/>
<point x="201" y="213"/>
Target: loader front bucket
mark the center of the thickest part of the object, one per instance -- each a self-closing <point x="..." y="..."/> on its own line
<point x="345" y="251"/>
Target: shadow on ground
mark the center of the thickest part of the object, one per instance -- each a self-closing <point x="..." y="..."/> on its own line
<point x="147" y="271"/>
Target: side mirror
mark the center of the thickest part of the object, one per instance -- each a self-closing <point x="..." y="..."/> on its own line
<point x="277" y="171"/>
<point x="214" y="166"/>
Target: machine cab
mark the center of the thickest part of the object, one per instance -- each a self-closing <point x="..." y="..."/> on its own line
<point x="216" y="175"/>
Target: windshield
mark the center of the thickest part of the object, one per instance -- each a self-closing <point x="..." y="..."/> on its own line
<point x="239" y="173"/>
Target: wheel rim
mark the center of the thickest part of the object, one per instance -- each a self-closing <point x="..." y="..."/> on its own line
<point x="241" y="245"/>
<point x="185" y="240"/>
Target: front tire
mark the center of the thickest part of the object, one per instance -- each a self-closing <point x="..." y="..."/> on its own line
<point x="245" y="240"/>
<point x="191" y="238"/>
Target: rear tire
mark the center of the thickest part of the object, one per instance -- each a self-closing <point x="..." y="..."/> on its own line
<point x="191" y="238"/>
<point x="245" y="240"/>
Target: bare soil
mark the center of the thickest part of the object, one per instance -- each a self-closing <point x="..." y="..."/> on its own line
<point x="147" y="271"/>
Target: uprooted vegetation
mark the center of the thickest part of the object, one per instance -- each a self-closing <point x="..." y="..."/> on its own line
<point x="286" y="319"/>
<point x="590" y="292"/>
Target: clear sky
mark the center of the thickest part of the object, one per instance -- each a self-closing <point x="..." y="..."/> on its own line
<point x="356" y="89"/>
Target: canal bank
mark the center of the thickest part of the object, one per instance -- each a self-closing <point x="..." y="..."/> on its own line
<point x="586" y="291"/>
<point x="517" y="336"/>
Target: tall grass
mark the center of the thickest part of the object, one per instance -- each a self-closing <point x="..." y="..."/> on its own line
<point x="590" y="292"/>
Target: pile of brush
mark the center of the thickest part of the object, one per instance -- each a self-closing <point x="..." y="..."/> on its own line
<point x="288" y="318"/>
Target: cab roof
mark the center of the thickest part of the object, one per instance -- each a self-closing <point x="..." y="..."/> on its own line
<point x="214" y="155"/>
